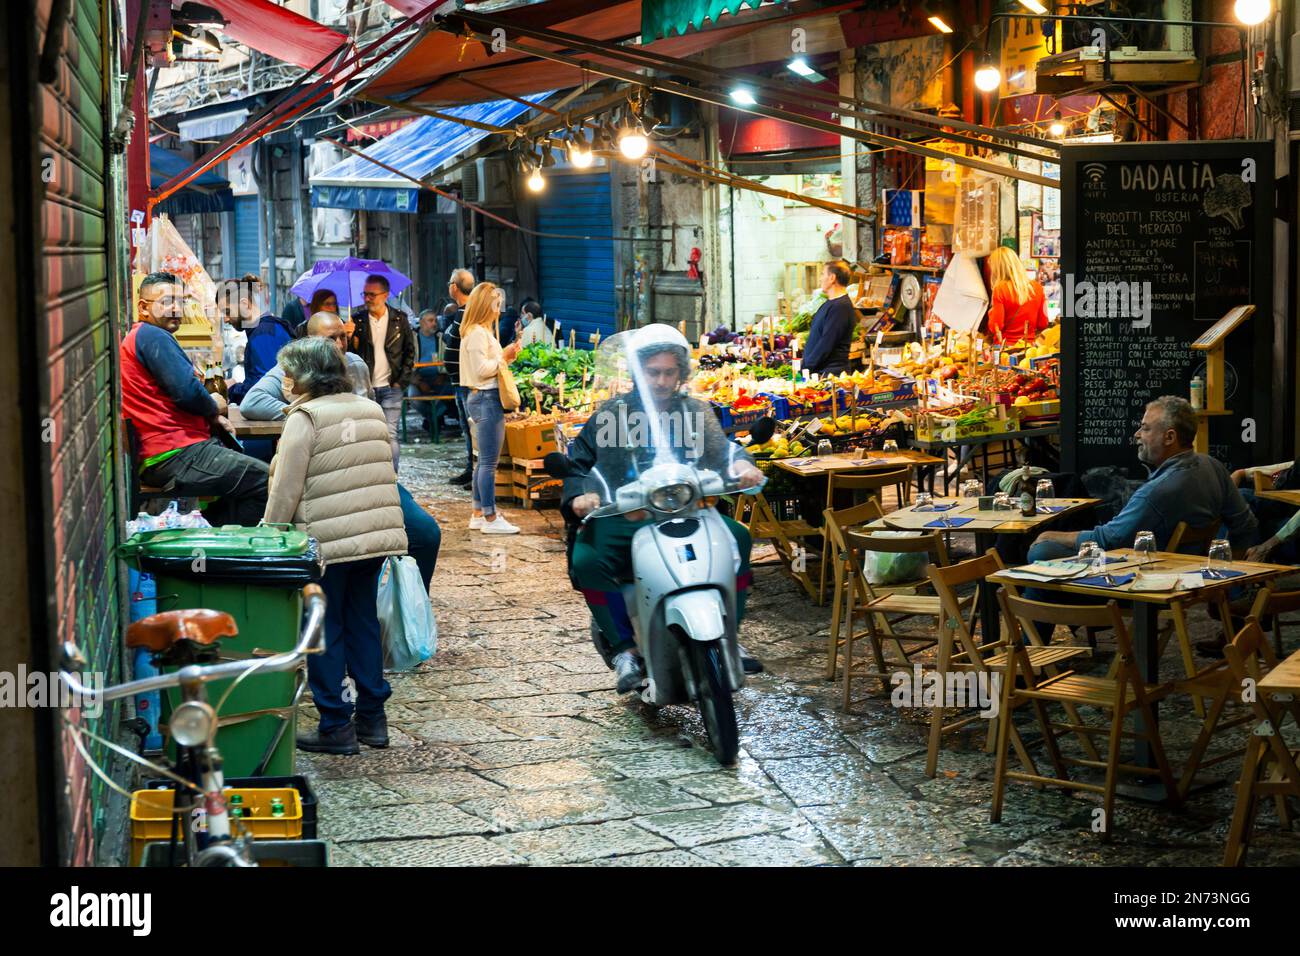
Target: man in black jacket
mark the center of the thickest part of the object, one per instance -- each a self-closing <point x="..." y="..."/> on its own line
<point x="459" y="286"/>
<point x="831" y="335"/>
<point x="392" y="365"/>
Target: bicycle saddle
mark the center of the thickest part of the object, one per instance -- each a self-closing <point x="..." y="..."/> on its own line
<point x="159" y="632"/>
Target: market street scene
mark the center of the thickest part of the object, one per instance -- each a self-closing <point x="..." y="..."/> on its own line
<point x="652" y="433"/>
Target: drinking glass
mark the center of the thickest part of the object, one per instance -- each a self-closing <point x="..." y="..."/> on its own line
<point x="824" y="448"/>
<point x="924" y="501"/>
<point x="1144" y="546"/>
<point x="1219" y="555"/>
<point x="1044" y="489"/>
<point x="889" y="445"/>
<point x="1091" y="552"/>
<point x="1002" y="502"/>
<point x="971" y="488"/>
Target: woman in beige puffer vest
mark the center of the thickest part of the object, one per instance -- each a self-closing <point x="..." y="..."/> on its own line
<point x="333" y="477"/>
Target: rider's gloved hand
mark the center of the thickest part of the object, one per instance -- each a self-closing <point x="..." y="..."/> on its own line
<point x="748" y="476"/>
<point x="584" y="505"/>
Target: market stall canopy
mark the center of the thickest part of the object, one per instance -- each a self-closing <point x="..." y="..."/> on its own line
<point x="663" y="18"/>
<point x="278" y="32"/>
<point x="206" y="193"/>
<point x="434" y="67"/>
<point x="417" y="150"/>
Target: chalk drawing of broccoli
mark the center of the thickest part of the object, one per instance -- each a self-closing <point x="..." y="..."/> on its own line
<point x="1227" y="199"/>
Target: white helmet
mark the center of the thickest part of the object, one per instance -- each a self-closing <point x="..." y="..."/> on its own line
<point x="655" y="338"/>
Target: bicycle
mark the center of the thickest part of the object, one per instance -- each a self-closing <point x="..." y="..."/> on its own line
<point x="189" y="641"/>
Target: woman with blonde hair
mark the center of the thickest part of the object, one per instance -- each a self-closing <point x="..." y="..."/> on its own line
<point x="481" y="358"/>
<point x="1018" y="310"/>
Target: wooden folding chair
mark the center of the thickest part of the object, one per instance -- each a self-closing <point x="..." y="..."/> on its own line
<point x="902" y="601"/>
<point x="1189" y="540"/>
<point x="959" y="650"/>
<point x="1274" y="604"/>
<point x="1270" y="766"/>
<point x="783" y="534"/>
<point x="1120" y="696"/>
<point x="1217" y="684"/>
<point x="846" y="569"/>
<point x="871" y="485"/>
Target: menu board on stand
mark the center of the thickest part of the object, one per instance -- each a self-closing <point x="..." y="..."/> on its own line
<point x="1158" y="241"/>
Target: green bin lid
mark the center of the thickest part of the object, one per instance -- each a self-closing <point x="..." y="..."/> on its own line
<point x="232" y="541"/>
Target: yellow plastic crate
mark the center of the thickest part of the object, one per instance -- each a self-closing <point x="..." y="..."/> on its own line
<point x="151" y="815"/>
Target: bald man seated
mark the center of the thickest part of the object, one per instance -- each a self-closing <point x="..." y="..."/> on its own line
<point x="267" y="400"/>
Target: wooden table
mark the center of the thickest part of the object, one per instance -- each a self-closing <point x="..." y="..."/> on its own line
<point x="986" y="525"/>
<point x="855" y="461"/>
<point x="1148" y="604"/>
<point x="248" y="428"/>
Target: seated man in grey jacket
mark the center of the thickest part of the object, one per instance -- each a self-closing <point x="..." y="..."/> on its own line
<point x="268" y="398"/>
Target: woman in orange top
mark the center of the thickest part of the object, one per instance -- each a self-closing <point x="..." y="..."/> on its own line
<point x="1017" y="312"/>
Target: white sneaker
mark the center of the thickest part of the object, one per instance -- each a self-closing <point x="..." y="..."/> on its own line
<point x="498" y="526"/>
<point x="475" y="522"/>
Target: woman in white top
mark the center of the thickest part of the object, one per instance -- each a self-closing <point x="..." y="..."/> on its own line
<point x="481" y="358"/>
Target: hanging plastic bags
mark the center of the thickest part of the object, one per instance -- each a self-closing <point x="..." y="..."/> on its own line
<point x="886" y="567"/>
<point x="406" y="621"/>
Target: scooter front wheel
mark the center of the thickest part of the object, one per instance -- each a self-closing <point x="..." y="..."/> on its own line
<point x="716" y="706"/>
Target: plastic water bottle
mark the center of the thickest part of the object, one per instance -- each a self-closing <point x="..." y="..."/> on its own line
<point x="195" y="519"/>
<point x="171" y="518"/>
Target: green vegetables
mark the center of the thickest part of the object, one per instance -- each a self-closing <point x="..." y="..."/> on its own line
<point x="538" y="368"/>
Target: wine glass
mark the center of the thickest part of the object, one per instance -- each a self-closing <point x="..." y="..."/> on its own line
<point x="1002" y="502"/>
<point x="924" y="501"/>
<point x="1219" y="556"/>
<point x="1144" y="546"/>
<point x="1044" y="490"/>
<point x="824" y="448"/>
<point x="971" y="488"/>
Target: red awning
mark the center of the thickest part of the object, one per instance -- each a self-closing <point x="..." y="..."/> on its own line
<point x="435" y="65"/>
<point x="278" y="32"/>
<point x="377" y="130"/>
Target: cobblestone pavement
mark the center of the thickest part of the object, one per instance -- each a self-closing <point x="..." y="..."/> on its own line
<point x="510" y="747"/>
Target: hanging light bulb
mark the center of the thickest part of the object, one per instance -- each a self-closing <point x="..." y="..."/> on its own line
<point x="1057" y="129"/>
<point x="1252" y="12"/>
<point x="987" y="77"/>
<point x="580" y="155"/>
<point x="1034" y="6"/>
<point x="535" y="182"/>
<point x="632" y="141"/>
<point x="742" y="96"/>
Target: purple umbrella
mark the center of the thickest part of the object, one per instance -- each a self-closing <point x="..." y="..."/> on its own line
<point x="346" y="278"/>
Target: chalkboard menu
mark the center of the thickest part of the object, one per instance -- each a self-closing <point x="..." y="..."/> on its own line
<point x="1158" y="241"/>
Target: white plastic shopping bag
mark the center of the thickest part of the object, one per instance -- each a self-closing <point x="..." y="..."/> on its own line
<point x="406" y="621"/>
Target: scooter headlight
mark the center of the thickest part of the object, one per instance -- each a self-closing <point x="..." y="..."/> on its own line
<point x="671" y="499"/>
<point x="192" y="723"/>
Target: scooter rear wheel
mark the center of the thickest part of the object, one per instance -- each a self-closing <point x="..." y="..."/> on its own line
<point x="715" y="703"/>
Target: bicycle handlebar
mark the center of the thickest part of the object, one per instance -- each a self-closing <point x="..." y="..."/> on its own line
<point x="310" y="641"/>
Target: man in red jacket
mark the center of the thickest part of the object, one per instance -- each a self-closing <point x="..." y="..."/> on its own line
<point x="173" y="415"/>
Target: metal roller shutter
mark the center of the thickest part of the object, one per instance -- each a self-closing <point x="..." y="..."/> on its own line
<point x="576" y="276"/>
<point x="248" y="257"/>
<point x="78" y="402"/>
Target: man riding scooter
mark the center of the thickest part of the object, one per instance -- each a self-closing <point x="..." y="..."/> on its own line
<point x="602" y="555"/>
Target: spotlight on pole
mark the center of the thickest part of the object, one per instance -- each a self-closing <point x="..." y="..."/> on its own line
<point x="1252" y="12"/>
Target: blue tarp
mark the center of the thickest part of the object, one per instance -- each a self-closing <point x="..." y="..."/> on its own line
<point x="207" y="192"/>
<point x="417" y="149"/>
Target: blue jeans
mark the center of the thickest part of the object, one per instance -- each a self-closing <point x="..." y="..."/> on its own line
<point x="462" y="393"/>
<point x="390" y="400"/>
<point x="423" y="536"/>
<point x="352" y="646"/>
<point x="489" y="421"/>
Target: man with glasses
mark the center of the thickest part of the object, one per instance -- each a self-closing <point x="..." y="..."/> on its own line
<point x="267" y="400"/>
<point x="246" y="305"/>
<point x="385" y="341"/>
<point x="173" y="415"/>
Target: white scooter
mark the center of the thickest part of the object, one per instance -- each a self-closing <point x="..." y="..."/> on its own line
<point x="682" y="597"/>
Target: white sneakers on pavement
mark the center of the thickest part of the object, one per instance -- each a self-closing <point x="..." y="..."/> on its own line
<point x="499" y="525"/>
<point x="476" y="523"/>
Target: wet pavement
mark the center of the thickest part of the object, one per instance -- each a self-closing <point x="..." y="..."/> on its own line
<point x="510" y="746"/>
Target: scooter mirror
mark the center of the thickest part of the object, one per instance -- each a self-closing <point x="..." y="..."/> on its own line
<point x="557" y="465"/>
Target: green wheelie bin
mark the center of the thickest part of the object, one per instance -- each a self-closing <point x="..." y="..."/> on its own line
<point x="256" y="575"/>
